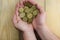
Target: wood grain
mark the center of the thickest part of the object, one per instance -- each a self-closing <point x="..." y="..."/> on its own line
<point x="7" y="29"/>
<point x="53" y="16"/>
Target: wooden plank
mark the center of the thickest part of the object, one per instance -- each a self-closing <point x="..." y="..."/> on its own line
<point x="53" y="16"/>
<point x="7" y="30"/>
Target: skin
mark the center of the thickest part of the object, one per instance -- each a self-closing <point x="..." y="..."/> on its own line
<point x="27" y="29"/>
<point x="38" y="24"/>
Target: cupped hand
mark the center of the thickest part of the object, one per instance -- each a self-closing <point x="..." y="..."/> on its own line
<point x="40" y="20"/>
<point x="21" y="25"/>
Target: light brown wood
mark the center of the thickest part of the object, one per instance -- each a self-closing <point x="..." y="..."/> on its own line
<point x="53" y="16"/>
<point x="7" y="29"/>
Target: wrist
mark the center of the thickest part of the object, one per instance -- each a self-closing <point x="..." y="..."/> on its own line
<point x="28" y="31"/>
<point x="45" y="33"/>
<point x="29" y="35"/>
<point x="40" y="27"/>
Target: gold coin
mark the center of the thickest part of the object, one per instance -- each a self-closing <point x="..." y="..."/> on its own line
<point x="25" y="19"/>
<point x="21" y="9"/>
<point x="29" y="15"/>
<point x="22" y="15"/>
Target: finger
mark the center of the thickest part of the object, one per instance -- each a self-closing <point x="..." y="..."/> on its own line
<point x="21" y="3"/>
<point x="16" y="10"/>
<point x="17" y="13"/>
<point x="14" y="19"/>
<point x="41" y="9"/>
<point x="32" y="1"/>
<point x="18" y="19"/>
<point x="43" y="16"/>
<point x="33" y="23"/>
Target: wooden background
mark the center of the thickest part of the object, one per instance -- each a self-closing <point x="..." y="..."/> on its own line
<point x="53" y="16"/>
<point x="7" y="9"/>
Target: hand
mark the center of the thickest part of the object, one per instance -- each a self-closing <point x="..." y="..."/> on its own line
<point x="39" y="21"/>
<point x="23" y="26"/>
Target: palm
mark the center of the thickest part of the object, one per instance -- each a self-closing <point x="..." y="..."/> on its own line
<point x="22" y="25"/>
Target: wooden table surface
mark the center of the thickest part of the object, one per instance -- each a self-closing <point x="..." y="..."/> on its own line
<point x="7" y="9"/>
<point x="53" y="16"/>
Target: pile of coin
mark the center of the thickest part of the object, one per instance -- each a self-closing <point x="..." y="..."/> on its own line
<point x="28" y="12"/>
